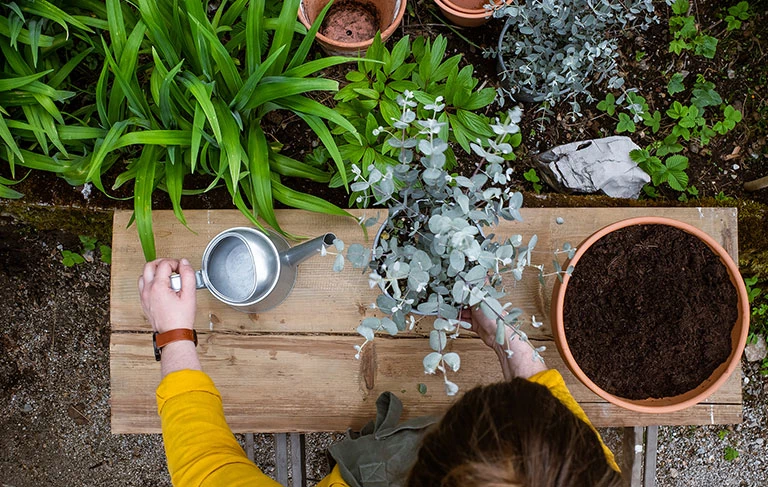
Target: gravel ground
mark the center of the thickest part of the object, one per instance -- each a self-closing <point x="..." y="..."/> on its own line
<point x="54" y="390"/>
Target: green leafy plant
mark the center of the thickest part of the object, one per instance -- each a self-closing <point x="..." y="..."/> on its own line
<point x="686" y="34"/>
<point x="531" y="176"/>
<point x="368" y="101"/>
<point x="730" y="454"/>
<point x="759" y="315"/>
<point x="88" y="246"/>
<point x="209" y="83"/>
<point x="722" y="434"/>
<point x="44" y="117"/>
<point x="737" y="14"/>
<point x="431" y="255"/>
<point x="689" y="121"/>
<point x="70" y="259"/>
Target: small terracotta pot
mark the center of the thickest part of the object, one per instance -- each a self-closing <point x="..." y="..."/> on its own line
<point x="350" y="26"/>
<point x="665" y="404"/>
<point x="467" y="13"/>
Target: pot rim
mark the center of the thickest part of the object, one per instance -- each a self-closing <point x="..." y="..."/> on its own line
<point x="355" y="46"/>
<point x="720" y="374"/>
<point x="459" y="8"/>
<point x="447" y="6"/>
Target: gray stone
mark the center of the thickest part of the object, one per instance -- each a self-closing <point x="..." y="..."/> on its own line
<point x="757" y="351"/>
<point x="594" y="165"/>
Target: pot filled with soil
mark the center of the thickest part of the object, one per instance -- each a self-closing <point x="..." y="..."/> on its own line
<point x="467" y="13"/>
<point x="350" y="26"/>
<point x="654" y="316"/>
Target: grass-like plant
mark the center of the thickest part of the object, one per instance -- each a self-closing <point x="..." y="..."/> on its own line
<point x="43" y="47"/>
<point x="191" y="92"/>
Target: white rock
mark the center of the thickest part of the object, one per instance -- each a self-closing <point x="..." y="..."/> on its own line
<point x="755" y="352"/>
<point x="594" y="165"/>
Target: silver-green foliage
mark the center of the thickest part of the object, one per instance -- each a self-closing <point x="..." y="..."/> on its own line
<point x="557" y="49"/>
<point x="432" y="256"/>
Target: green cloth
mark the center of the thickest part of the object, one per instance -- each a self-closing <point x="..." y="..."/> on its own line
<point x="383" y="452"/>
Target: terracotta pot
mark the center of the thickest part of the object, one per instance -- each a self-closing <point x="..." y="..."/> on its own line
<point x="466" y="13"/>
<point x="350" y="26"/>
<point x="666" y="404"/>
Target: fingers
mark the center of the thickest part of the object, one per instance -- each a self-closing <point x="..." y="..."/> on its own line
<point x="141" y="284"/>
<point x="187" y="273"/>
<point x="149" y="270"/>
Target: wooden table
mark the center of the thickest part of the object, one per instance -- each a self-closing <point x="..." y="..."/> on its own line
<point x="293" y="369"/>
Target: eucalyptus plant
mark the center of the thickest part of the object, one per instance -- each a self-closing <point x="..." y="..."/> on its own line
<point x="559" y="49"/>
<point x="432" y="255"/>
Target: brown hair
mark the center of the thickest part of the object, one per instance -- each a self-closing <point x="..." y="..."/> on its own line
<point x="511" y="434"/>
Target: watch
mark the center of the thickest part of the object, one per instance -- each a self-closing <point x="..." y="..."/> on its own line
<point x="159" y="340"/>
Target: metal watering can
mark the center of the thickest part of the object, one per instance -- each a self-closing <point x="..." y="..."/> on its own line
<point x="250" y="270"/>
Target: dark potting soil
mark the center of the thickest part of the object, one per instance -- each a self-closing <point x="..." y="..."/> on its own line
<point x="351" y="22"/>
<point x="648" y="312"/>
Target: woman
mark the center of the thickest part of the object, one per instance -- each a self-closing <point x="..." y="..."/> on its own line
<point x="526" y="431"/>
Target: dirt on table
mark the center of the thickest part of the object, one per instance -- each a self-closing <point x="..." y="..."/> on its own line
<point x="648" y="312"/>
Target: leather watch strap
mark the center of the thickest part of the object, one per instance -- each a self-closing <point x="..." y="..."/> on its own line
<point x="159" y="340"/>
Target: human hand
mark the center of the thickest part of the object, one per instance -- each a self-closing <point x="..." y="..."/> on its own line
<point x="165" y="308"/>
<point x="484" y="326"/>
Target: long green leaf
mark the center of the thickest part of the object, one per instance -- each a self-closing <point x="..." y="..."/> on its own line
<point x="49" y="11"/>
<point x="202" y="94"/>
<point x="117" y="31"/>
<point x="273" y="88"/>
<point x="23" y="37"/>
<point x="75" y="132"/>
<point x="158" y="31"/>
<point x="312" y="67"/>
<point x="33" y="117"/>
<point x="306" y="105"/>
<point x="144" y="185"/>
<point x="5" y="134"/>
<point x="101" y="95"/>
<point x="6" y="192"/>
<point x="283" y="33"/>
<point x="197" y="133"/>
<point x="253" y="32"/>
<point x="241" y="98"/>
<point x="301" y="53"/>
<point x="224" y="62"/>
<point x="303" y="201"/>
<point x="33" y="160"/>
<point x="63" y="72"/>
<point x="240" y="203"/>
<point x="233" y="12"/>
<point x="231" y="148"/>
<point x="258" y="160"/>
<point x="8" y="84"/>
<point x="317" y="125"/>
<point x="106" y="146"/>
<point x="174" y="182"/>
<point x="287" y="166"/>
<point x="155" y="137"/>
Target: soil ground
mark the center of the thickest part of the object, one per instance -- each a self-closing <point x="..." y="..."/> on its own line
<point x="54" y="349"/>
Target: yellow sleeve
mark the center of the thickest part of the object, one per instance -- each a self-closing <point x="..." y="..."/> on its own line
<point x="200" y="448"/>
<point x="333" y="479"/>
<point x="552" y="380"/>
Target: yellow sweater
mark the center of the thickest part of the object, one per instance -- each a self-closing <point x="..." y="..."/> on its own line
<point x="202" y="451"/>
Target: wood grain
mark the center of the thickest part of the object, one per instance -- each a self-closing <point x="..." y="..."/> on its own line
<point x="283" y="383"/>
<point x="293" y="368"/>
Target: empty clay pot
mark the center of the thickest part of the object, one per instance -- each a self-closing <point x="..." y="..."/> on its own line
<point x="666" y="404"/>
<point x="350" y="26"/>
<point x="466" y="13"/>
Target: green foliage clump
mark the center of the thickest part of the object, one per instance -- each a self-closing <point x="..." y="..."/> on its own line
<point x="686" y="34"/>
<point x="419" y="67"/>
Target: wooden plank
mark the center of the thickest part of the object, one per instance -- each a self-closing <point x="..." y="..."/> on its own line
<point x="649" y="468"/>
<point x="281" y="458"/>
<point x="632" y="445"/>
<point x="327" y="302"/>
<point x="290" y="383"/>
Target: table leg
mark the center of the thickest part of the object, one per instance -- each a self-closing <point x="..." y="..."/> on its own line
<point x="639" y="468"/>
<point x="633" y="456"/>
<point x="281" y="458"/>
<point x="249" y="446"/>
<point x="651" y="441"/>
<point x="298" y="461"/>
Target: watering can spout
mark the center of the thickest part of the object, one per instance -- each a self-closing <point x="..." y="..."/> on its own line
<point x="295" y="255"/>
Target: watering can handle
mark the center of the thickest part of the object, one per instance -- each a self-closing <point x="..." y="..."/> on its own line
<point x="176" y="281"/>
